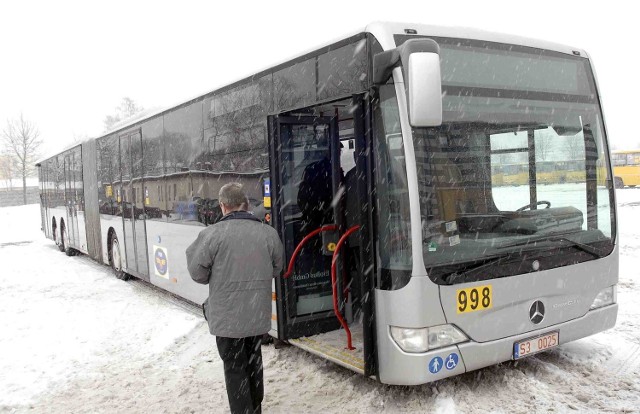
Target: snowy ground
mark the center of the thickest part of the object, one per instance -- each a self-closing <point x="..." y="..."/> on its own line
<point x="74" y="339"/>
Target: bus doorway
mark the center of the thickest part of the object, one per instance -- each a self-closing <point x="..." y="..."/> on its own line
<point x="313" y="166"/>
<point x="132" y="205"/>
<point x="306" y="183"/>
<point x="70" y="170"/>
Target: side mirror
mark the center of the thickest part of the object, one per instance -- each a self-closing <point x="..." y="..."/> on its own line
<point x="424" y="89"/>
<point x="420" y="61"/>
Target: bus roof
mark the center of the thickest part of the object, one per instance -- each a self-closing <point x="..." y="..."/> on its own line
<point x="383" y="31"/>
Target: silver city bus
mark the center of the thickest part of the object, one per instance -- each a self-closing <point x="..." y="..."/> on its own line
<point x="384" y="161"/>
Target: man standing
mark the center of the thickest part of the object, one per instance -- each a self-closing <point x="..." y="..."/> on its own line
<point x="238" y="256"/>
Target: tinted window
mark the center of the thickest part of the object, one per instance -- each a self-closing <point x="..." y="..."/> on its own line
<point x="295" y="86"/>
<point x="78" y="179"/>
<point x="60" y="183"/>
<point x="183" y="129"/>
<point x="125" y="169"/>
<point x="394" y="231"/>
<point x="234" y="146"/>
<point x="342" y="71"/>
<point x="108" y="174"/>
<point x="153" y="165"/>
<point x="184" y="146"/>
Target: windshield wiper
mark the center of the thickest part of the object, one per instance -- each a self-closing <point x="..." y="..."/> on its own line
<point x="510" y="257"/>
<point x="595" y="252"/>
<point x="463" y="271"/>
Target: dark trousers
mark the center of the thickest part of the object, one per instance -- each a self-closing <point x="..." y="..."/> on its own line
<point x="242" y="359"/>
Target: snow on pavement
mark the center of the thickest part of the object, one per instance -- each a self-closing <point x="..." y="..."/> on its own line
<point x="75" y="339"/>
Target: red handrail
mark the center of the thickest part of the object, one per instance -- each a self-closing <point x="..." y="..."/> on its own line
<point x="334" y="284"/>
<point x="328" y="227"/>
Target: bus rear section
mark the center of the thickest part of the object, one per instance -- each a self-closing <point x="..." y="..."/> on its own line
<point x="473" y="269"/>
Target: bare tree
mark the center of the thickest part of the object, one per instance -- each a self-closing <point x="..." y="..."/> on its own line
<point x="21" y="139"/>
<point x="127" y="108"/>
<point x="544" y="144"/>
<point x="575" y="147"/>
<point x="6" y="170"/>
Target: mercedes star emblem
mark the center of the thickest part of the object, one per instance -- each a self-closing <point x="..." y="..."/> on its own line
<point x="536" y="312"/>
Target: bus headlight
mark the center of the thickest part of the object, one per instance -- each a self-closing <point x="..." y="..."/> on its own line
<point x="605" y="297"/>
<point x="423" y="339"/>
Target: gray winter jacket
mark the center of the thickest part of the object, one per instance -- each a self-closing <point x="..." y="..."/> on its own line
<point x="237" y="257"/>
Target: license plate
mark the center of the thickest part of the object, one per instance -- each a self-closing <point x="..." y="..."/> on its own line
<point x="530" y="346"/>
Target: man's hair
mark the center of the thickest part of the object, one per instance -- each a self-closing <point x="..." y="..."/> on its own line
<point x="232" y="195"/>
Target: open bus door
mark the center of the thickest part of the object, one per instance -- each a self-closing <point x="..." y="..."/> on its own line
<point x="307" y="185"/>
<point x="305" y="146"/>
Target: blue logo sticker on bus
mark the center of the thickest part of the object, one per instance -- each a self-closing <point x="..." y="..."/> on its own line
<point x="267" y="187"/>
<point x="267" y="193"/>
<point x="161" y="261"/>
<point x="452" y="361"/>
<point x="435" y="365"/>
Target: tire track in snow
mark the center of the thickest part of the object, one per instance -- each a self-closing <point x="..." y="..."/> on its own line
<point x="627" y="361"/>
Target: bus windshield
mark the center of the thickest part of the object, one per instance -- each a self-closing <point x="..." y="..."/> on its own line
<point x="517" y="172"/>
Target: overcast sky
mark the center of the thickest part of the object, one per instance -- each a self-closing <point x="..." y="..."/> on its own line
<point x="66" y="65"/>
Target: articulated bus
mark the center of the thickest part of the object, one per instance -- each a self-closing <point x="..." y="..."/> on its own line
<point x="378" y="160"/>
<point x="626" y="168"/>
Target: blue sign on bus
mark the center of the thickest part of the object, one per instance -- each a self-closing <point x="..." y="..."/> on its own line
<point x="267" y="187"/>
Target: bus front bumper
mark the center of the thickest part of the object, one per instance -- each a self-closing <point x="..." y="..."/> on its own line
<point x="402" y="368"/>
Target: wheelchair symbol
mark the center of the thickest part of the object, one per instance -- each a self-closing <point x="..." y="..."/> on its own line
<point x="452" y="361"/>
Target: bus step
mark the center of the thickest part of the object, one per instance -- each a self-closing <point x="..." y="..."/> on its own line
<point x="332" y="346"/>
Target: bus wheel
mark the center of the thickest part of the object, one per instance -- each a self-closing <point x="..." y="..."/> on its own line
<point x="116" y="259"/>
<point x="617" y="182"/>
<point x="54" y="232"/>
<point x="61" y="240"/>
<point x="64" y="241"/>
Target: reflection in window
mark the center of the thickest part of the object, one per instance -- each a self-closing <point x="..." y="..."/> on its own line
<point x="153" y="164"/>
<point x="108" y="175"/>
<point x="184" y="141"/>
<point x="295" y="86"/>
<point x="342" y="71"/>
<point x="78" y="180"/>
<point x="233" y="148"/>
<point x="394" y="237"/>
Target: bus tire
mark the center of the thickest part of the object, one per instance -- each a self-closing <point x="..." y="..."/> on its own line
<point x="64" y="247"/>
<point x="617" y="182"/>
<point x="61" y="240"/>
<point x="54" y="233"/>
<point x="115" y="258"/>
